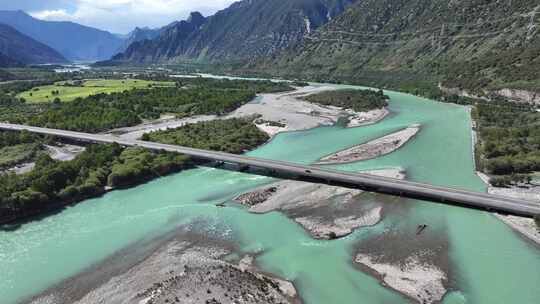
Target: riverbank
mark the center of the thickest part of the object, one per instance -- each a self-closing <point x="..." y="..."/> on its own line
<point x="373" y="149"/>
<point x="524" y="226"/>
<point x="291" y="113"/>
<point x="326" y="212"/>
<point x="185" y="267"/>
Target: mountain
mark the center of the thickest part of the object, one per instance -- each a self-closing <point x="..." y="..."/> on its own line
<point x="6" y="61"/>
<point x="139" y="34"/>
<point x="17" y="49"/>
<point x="76" y="42"/>
<point x="246" y="30"/>
<point x="477" y="45"/>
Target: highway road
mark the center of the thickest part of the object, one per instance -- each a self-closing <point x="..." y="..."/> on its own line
<point x="450" y="196"/>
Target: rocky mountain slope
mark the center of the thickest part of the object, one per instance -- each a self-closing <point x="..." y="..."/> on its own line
<point x="74" y="41"/>
<point x="139" y="34"/>
<point x="17" y="49"/>
<point x="247" y="29"/>
<point x="477" y="45"/>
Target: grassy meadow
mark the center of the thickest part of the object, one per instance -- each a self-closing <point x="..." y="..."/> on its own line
<point x="68" y="91"/>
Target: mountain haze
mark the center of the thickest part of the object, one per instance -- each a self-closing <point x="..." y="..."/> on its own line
<point x="74" y="41"/>
<point x="246" y="30"/>
<point x="17" y="49"/>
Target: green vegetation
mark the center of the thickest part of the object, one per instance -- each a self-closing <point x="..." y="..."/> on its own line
<point x="16" y="138"/>
<point x="509" y="141"/>
<point x="53" y="184"/>
<point x="508" y="147"/>
<point x="71" y="90"/>
<point x="13" y="155"/>
<point x="103" y="112"/>
<point x="18" y="147"/>
<point x="231" y="135"/>
<point x="537" y="221"/>
<point x="358" y="100"/>
<point x="257" y="86"/>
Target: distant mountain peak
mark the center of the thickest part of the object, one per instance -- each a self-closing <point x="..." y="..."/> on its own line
<point x="196" y="18"/>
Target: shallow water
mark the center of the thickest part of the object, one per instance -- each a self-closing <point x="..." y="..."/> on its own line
<point x="491" y="263"/>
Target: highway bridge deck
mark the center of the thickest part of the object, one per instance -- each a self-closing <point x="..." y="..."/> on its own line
<point x="316" y="174"/>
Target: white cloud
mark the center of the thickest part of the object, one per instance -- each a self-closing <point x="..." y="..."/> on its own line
<point x="123" y="15"/>
<point x="59" y="14"/>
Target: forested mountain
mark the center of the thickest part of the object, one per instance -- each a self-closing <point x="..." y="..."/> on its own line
<point x="73" y="41"/>
<point x="247" y="29"/>
<point x="478" y="45"/>
<point x="17" y="49"/>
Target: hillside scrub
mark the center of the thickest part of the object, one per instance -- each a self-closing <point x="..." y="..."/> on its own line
<point x="357" y="100"/>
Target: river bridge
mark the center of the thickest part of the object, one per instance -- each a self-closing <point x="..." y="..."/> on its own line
<point x="315" y="174"/>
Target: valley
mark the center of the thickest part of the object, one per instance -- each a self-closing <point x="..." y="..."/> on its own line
<point x="303" y="94"/>
<point x="203" y="205"/>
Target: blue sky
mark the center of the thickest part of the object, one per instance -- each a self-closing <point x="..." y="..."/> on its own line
<point x="118" y="16"/>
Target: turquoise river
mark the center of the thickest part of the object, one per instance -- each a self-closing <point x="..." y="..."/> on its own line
<point x="490" y="263"/>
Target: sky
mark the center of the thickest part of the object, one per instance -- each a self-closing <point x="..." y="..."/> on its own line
<point x="117" y="16"/>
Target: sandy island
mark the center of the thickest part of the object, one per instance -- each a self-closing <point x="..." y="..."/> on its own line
<point x="421" y="282"/>
<point x="373" y="149"/>
<point x="416" y="265"/>
<point x="296" y="114"/>
<point x="326" y="212"/>
<point x="187" y="268"/>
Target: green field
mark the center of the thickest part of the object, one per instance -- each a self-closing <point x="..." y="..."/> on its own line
<point x="85" y="88"/>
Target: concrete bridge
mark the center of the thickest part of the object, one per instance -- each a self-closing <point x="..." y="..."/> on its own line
<point x="395" y="187"/>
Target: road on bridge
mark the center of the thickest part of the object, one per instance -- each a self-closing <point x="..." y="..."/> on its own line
<point x="315" y="174"/>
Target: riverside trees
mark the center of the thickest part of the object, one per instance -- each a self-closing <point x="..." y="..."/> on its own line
<point x="54" y="183"/>
<point x="358" y="100"/>
<point x="106" y="111"/>
<point x="510" y="141"/>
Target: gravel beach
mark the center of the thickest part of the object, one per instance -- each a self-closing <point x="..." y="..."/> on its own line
<point x="186" y="267"/>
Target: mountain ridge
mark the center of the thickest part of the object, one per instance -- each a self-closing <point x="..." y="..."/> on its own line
<point x="17" y="49"/>
<point x="245" y="30"/>
<point x="84" y="44"/>
<point x="475" y="45"/>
